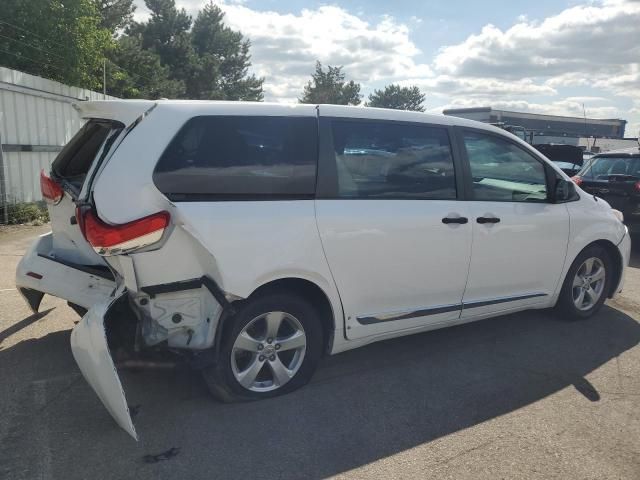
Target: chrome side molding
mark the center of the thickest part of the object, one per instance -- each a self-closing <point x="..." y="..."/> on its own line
<point x="484" y="303"/>
<point x="422" y="312"/>
<point x="426" y="311"/>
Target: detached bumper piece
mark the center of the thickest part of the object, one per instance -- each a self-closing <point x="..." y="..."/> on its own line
<point x="91" y="352"/>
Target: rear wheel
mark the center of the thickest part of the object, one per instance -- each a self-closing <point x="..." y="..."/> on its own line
<point x="272" y="348"/>
<point x="586" y="284"/>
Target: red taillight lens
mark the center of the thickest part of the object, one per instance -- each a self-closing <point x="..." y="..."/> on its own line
<point x="577" y="180"/>
<point x="112" y="239"/>
<point x="51" y="191"/>
<point x="637" y="186"/>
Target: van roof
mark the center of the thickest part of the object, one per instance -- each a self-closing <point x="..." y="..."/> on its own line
<point x="128" y="111"/>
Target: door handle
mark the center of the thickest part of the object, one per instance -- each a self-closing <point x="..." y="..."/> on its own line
<point x="488" y="220"/>
<point x="461" y="220"/>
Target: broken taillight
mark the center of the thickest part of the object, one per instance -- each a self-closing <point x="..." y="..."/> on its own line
<point x="51" y="191"/>
<point x="109" y="239"/>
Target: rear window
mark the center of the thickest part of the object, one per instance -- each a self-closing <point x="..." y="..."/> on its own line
<point x="601" y="168"/>
<point x="228" y="157"/>
<point x="75" y="159"/>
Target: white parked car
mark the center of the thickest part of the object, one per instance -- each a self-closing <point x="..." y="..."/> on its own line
<point x="255" y="238"/>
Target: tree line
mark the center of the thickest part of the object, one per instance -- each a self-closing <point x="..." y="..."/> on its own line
<point x="171" y="54"/>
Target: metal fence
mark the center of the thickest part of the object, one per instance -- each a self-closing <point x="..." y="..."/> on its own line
<point x="36" y="120"/>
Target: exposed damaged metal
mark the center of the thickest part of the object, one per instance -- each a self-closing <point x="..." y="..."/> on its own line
<point x="191" y="284"/>
<point x="184" y="314"/>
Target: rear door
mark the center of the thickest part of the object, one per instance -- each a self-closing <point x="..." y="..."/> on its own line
<point x="78" y="165"/>
<point x="396" y="238"/>
<point x="71" y="170"/>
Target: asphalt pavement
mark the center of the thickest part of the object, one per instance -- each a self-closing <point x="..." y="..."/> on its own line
<point x="528" y="395"/>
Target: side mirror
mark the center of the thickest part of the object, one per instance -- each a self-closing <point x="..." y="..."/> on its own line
<point x="563" y="191"/>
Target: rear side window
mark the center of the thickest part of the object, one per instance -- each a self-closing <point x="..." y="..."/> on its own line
<point x="387" y="160"/>
<point x="602" y="168"/>
<point x="75" y="159"/>
<point x="232" y="157"/>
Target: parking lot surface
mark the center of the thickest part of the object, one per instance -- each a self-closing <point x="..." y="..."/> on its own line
<point x="520" y="396"/>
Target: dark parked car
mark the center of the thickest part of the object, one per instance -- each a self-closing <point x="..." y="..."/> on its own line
<point x="615" y="177"/>
<point x="568" y="157"/>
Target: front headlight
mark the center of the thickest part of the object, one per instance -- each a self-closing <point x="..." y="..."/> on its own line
<point x="618" y="214"/>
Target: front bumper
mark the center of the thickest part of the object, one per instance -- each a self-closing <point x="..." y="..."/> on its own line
<point x="625" y="251"/>
<point x="38" y="273"/>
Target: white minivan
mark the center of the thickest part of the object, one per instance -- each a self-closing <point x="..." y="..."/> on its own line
<point x="254" y="238"/>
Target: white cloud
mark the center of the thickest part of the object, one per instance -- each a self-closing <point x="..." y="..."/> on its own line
<point x="285" y="47"/>
<point x="591" y="49"/>
<point x="594" y="46"/>
<point x="483" y="87"/>
<point x="584" y="39"/>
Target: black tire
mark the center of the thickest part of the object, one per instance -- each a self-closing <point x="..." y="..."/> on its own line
<point x="565" y="306"/>
<point x="220" y="378"/>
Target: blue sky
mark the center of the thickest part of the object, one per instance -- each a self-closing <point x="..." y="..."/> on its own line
<point x="441" y="22"/>
<point x="543" y="56"/>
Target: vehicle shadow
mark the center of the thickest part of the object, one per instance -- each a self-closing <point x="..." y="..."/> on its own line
<point x="24" y="323"/>
<point x="361" y="406"/>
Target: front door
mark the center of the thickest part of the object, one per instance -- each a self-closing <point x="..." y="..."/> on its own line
<point x="396" y="239"/>
<point x="519" y="237"/>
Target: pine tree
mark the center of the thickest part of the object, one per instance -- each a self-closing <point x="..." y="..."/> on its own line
<point x="398" y="98"/>
<point x="330" y="87"/>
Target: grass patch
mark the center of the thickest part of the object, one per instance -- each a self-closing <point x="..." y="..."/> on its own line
<point x="35" y="213"/>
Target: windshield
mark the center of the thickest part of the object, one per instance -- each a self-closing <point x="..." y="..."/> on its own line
<point x="601" y="168"/>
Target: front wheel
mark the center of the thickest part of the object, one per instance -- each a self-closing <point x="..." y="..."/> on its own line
<point x="272" y="348"/>
<point x="587" y="284"/>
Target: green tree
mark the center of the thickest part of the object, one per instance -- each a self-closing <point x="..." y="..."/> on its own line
<point x="330" y="87"/>
<point x="167" y="34"/>
<point x="223" y="60"/>
<point x="56" y="39"/>
<point x="115" y="14"/>
<point x="210" y="59"/>
<point x="134" y="72"/>
<point x="167" y="56"/>
<point x="398" y="98"/>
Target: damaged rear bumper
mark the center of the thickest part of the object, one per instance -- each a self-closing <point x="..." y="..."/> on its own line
<point x="91" y="352"/>
<point x="39" y="272"/>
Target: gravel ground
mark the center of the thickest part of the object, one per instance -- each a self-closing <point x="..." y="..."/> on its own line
<point x="519" y="396"/>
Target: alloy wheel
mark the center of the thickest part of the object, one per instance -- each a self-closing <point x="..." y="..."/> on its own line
<point x="268" y="351"/>
<point x="588" y="283"/>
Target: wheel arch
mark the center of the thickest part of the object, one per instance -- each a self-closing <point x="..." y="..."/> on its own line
<point x="311" y="292"/>
<point x="616" y="258"/>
